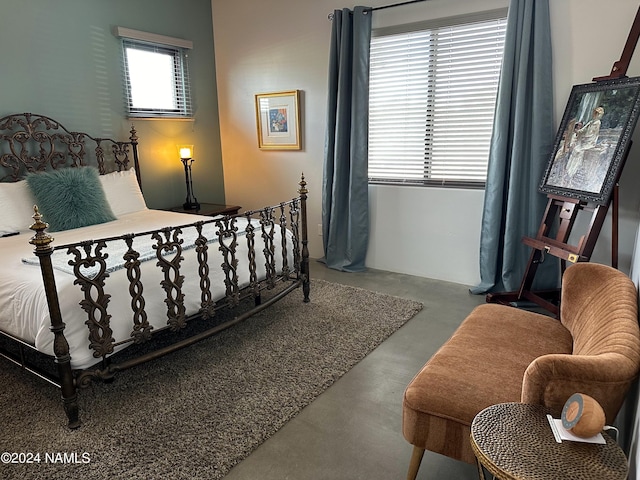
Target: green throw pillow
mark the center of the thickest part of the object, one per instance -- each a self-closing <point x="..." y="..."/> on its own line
<point x="70" y="197"/>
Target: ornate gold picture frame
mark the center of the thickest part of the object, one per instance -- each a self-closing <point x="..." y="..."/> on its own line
<point x="278" y="120"/>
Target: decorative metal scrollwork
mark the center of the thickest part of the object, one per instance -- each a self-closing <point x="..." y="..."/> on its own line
<point x="283" y="241"/>
<point x="250" y="233"/>
<point x="100" y="156"/>
<point x="267" y="224"/>
<point x="75" y="148"/>
<point x="207" y="304"/>
<point x="121" y="154"/>
<point x="85" y="377"/>
<point x="228" y="241"/>
<point x="141" y="329"/>
<point x="173" y="281"/>
<point x="90" y="270"/>
<point x="32" y="143"/>
<point x="294" y="213"/>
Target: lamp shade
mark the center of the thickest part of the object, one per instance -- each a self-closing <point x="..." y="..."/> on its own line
<point x="186" y="151"/>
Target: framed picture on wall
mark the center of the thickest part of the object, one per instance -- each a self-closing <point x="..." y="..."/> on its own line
<point x="593" y="139"/>
<point x="278" y="120"/>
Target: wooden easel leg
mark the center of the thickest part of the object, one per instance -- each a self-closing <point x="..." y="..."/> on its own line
<point x="507" y="298"/>
<point x="535" y="259"/>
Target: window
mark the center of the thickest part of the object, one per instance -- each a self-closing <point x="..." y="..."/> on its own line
<point x="156" y="75"/>
<point x="432" y="97"/>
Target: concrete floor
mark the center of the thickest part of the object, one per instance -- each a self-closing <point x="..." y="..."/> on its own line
<point x="353" y="430"/>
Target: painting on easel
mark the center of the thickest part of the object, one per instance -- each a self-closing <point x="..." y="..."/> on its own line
<point x="592" y="141"/>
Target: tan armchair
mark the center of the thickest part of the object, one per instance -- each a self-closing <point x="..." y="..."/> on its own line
<point x="503" y="354"/>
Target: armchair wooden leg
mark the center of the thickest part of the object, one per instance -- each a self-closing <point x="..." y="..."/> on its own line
<point x="416" y="458"/>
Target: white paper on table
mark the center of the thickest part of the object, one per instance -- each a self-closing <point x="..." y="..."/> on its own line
<point x="561" y="433"/>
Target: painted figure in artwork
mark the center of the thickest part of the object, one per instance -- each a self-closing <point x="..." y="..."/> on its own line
<point x="586" y="137"/>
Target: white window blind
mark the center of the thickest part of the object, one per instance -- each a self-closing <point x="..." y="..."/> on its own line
<point x="431" y="102"/>
<point x="156" y="75"/>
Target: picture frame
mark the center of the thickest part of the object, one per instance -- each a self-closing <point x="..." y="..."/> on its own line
<point x="278" y="120"/>
<point x="593" y="139"/>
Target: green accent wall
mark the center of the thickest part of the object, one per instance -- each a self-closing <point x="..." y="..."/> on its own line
<point x="61" y="60"/>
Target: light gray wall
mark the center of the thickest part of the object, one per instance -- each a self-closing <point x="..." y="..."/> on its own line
<point x="60" y="59"/>
<point x="432" y="232"/>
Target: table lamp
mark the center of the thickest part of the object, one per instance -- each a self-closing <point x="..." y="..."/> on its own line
<point x="186" y="157"/>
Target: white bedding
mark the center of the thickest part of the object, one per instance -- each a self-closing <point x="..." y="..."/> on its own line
<point x="23" y="306"/>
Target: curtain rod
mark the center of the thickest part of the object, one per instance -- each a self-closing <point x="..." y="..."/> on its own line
<point x="330" y="16"/>
<point x="396" y="5"/>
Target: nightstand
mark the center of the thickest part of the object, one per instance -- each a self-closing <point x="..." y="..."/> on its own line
<point x="210" y="209"/>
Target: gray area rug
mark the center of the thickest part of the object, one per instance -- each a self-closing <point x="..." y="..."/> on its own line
<point x="196" y="413"/>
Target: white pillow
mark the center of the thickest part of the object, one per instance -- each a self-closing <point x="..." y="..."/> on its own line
<point x="16" y="204"/>
<point x="123" y="192"/>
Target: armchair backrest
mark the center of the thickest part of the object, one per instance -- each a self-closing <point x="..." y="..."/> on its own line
<point x="600" y="308"/>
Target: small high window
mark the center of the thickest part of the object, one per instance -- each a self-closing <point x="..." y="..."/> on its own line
<point x="156" y="75"/>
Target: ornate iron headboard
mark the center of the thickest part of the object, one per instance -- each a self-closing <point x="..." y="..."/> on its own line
<point x="30" y="142"/>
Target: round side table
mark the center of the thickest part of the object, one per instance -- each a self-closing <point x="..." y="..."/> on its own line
<point x="514" y="441"/>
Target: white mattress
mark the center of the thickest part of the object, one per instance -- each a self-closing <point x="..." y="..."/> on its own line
<point x="23" y="306"/>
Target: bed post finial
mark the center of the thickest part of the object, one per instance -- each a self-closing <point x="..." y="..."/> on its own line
<point x="134" y="134"/>
<point x="134" y="147"/>
<point x="303" y="185"/>
<point x="42" y="241"/>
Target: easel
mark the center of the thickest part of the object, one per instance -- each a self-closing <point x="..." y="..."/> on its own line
<point x="563" y="212"/>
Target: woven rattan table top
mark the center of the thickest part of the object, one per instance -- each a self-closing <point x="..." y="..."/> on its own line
<point x="515" y="441"/>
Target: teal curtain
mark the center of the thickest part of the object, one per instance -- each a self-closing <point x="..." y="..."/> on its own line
<point x="345" y="204"/>
<point x="522" y="141"/>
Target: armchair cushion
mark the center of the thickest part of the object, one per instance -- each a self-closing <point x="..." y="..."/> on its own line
<point x="483" y="363"/>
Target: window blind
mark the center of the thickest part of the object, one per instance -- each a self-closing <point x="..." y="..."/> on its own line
<point x="156" y="80"/>
<point x="431" y="105"/>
